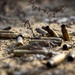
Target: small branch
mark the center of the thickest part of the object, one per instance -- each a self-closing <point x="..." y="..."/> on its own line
<point x="27" y="22"/>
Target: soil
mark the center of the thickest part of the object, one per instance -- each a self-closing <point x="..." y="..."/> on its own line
<point x="14" y="14"/>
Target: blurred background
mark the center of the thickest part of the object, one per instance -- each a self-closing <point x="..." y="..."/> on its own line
<point x="20" y="10"/>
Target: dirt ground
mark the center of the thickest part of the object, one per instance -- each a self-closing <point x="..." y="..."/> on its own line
<point x="14" y="15"/>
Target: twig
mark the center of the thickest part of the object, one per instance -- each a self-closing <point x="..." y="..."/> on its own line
<point x="47" y="10"/>
<point x="27" y="22"/>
